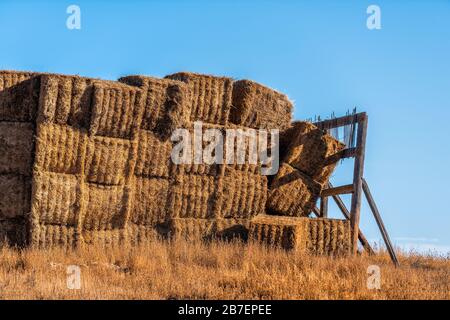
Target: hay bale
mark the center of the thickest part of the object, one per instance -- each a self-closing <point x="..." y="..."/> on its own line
<point x="16" y="147"/>
<point x="192" y="196"/>
<point x="292" y="193"/>
<point x="55" y="198"/>
<point x="49" y="235"/>
<point x="65" y="100"/>
<point x="209" y="97"/>
<point x="284" y="232"/>
<point x="309" y="150"/>
<point x="149" y="203"/>
<point x="153" y="155"/>
<point x="107" y="160"/>
<point x="139" y="234"/>
<point x="15" y="193"/>
<point x="13" y="232"/>
<point x="193" y="229"/>
<point x="116" y="110"/>
<point x="59" y="148"/>
<point x="242" y="194"/>
<point x="19" y="96"/>
<point x="105" y="207"/>
<point x="257" y="106"/>
<point x="106" y="238"/>
<point x="329" y="236"/>
<point x="165" y="103"/>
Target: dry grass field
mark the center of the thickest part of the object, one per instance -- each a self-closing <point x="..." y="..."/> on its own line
<point x="218" y="270"/>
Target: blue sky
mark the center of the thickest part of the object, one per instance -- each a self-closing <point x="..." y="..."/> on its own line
<point x="320" y="53"/>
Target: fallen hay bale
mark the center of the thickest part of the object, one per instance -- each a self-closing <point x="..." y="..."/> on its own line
<point x="315" y="236"/>
<point x="209" y="96"/>
<point x="257" y="106"/>
<point x="292" y="193"/>
<point x="309" y="150"/>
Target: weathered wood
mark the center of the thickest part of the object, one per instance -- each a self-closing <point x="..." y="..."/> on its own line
<point x="341" y="205"/>
<point x="337" y="190"/>
<point x="343" y="154"/>
<point x="357" y="175"/>
<point x="316" y="211"/>
<point x="324" y="207"/>
<point x="341" y="121"/>
<point x="379" y="221"/>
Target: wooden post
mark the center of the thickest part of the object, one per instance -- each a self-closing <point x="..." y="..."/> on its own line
<point x="357" y="182"/>
<point x="379" y="221"/>
<point x="324" y="207"/>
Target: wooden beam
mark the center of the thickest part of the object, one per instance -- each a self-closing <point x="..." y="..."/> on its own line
<point x="316" y="211"/>
<point x="357" y="176"/>
<point x="343" y="154"/>
<point x="346" y="213"/>
<point x="379" y="221"/>
<point x="337" y="190"/>
<point x="339" y="122"/>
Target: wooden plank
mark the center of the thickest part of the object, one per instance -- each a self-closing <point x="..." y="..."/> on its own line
<point x="324" y="207"/>
<point x="339" y="122"/>
<point x="379" y="221"/>
<point x="316" y="211"/>
<point x="343" y="154"/>
<point x="346" y="213"/>
<point x="358" y="172"/>
<point x="337" y="190"/>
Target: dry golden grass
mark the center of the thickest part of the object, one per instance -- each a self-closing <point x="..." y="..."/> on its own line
<point x="218" y="270"/>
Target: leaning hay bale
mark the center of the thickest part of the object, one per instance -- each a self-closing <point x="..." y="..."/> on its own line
<point x="15" y="192"/>
<point x="13" y="232"/>
<point x="48" y="235"/>
<point x="16" y="146"/>
<point x="19" y="96"/>
<point x="165" y="103"/>
<point x="292" y="193"/>
<point x="107" y="160"/>
<point x="116" y="110"/>
<point x="309" y="150"/>
<point x="55" y="199"/>
<point x="192" y="196"/>
<point x="149" y="204"/>
<point x="105" y="207"/>
<point x="59" y="148"/>
<point x="153" y="155"/>
<point x="284" y="232"/>
<point x="209" y="97"/>
<point x="242" y="194"/>
<point x="65" y="100"/>
<point x="257" y="106"/>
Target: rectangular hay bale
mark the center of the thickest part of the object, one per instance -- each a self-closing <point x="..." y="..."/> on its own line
<point x="153" y="155"/>
<point x="209" y="97"/>
<point x="107" y="160"/>
<point x="55" y="198"/>
<point x="15" y="195"/>
<point x="257" y="106"/>
<point x="165" y="103"/>
<point x="19" y="96"/>
<point x="292" y="193"/>
<point x="309" y="149"/>
<point x="16" y="147"/>
<point x="49" y="235"/>
<point x="60" y="148"/>
<point x="150" y="197"/>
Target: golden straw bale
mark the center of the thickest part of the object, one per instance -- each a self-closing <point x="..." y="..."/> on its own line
<point x="59" y="148"/>
<point x="19" y="96"/>
<point x="16" y="147"/>
<point x="257" y="106"/>
<point x="49" y="235"/>
<point x="209" y="97"/>
<point x="165" y="103"/>
<point x="150" y="197"/>
<point x="153" y="155"/>
<point x="292" y="193"/>
<point x="106" y="238"/>
<point x="107" y="160"/>
<point x="309" y="150"/>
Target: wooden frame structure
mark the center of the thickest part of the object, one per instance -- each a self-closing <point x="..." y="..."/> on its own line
<point x="358" y="186"/>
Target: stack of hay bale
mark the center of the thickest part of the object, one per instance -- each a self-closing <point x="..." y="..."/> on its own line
<point x="89" y="161"/>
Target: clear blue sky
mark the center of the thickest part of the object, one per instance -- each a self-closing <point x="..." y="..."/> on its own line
<point x="318" y="52"/>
